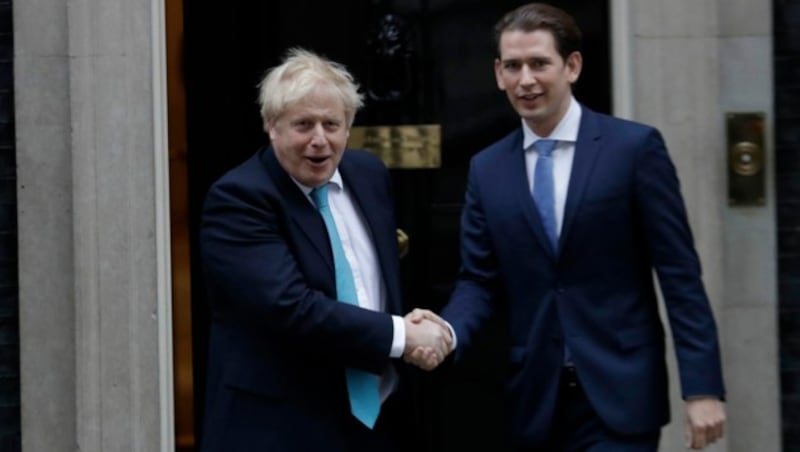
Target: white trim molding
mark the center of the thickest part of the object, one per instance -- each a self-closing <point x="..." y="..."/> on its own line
<point x="622" y="75"/>
<point x="162" y="213"/>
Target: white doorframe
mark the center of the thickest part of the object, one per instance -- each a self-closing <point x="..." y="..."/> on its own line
<point x="163" y="261"/>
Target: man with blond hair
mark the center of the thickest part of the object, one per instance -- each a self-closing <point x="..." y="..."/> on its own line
<point x="300" y="255"/>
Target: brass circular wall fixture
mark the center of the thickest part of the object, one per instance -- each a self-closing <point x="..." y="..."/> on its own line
<point x="747" y="158"/>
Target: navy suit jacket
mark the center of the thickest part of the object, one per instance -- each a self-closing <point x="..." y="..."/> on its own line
<point x="624" y="217"/>
<point x="279" y="341"/>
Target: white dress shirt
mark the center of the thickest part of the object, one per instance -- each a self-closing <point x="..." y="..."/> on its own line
<point x="359" y="249"/>
<point x="566" y="133"/>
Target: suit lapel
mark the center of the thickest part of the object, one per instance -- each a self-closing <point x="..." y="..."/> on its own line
<point x="587" y="148"/>
<point x="514" y="165"/>
<point x="300" y="209"/>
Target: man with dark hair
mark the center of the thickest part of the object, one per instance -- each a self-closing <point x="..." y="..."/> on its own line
<point x="565" y="220"/>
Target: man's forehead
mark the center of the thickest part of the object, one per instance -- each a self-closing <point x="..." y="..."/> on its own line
<point x="314" y="110"/>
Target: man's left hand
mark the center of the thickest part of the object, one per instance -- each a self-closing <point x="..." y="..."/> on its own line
<point x="705" y="421"/>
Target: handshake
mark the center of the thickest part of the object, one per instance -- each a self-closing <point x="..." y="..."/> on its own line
<point x="428" y="339"/>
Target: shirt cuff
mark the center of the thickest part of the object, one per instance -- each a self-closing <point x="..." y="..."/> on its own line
<point x="452" y="334"/>
<point x="398" y="338"/>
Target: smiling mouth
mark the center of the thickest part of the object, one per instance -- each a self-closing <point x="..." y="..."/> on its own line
<point x="317" y="160"/>
<point x="530" y="97"/>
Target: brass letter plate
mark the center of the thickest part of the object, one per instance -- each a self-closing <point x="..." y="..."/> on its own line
<point x="746" y="159"/>
<point x="401" y="146"/>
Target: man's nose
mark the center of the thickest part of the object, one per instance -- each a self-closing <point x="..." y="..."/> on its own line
<point x="527" y="76"/>
<point x="318" y="135"/>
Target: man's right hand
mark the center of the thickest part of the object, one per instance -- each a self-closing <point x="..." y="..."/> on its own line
<point x="428" y="340"/>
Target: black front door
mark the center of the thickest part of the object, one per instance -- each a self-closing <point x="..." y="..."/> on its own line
<point x="420" y="62"/>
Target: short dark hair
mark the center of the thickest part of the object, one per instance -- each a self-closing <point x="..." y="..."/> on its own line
<point x="541" y="16"/>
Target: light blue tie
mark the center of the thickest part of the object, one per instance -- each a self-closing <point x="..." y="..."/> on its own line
<point x="544" y="189"/>
<point x="544" y="197"/>
<point x="361" y="386"/>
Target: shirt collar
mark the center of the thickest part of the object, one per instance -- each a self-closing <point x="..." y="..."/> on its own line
<point x="336" y="180"/>
<point x="566" y="129"/>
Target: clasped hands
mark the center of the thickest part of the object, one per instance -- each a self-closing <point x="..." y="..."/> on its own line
<point x="428" y="339"/>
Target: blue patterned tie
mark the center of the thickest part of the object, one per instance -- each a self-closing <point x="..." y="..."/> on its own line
<point x="544" y="197"/>
<point x="544" y="190"/>
<point x="361" y="386"/>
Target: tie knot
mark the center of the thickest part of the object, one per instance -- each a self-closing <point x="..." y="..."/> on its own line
<point x="545" y="147"/>
<point x="320" y="196"/>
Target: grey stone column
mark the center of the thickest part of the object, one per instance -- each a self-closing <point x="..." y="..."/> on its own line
<point x="44" y="199"/>
<point x="750" y="311"/>
<point x="94" y="307"/>
<point x="695" y="60"/>
<point x="677" y="78"/>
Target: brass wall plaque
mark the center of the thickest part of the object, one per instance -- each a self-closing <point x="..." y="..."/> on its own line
<point x="401" y="146"/>
<point x="746" y="159"/>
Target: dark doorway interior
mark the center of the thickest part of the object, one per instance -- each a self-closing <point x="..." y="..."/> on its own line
<point x="228" y="46"/>
<point x="786" y="58"/>
<point x="10" y="400"/>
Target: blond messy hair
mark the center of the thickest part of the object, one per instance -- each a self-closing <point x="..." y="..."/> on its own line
<point x="301" y="73"/>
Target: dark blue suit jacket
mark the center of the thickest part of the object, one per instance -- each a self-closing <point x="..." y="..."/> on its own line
<point x="624" y="217"/>
<point x="280" y="342"/>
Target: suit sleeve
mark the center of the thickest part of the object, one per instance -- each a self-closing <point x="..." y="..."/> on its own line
<point x="471" y="304"/>
<point x="254" y="279"/>
<point x="671" y="247"/>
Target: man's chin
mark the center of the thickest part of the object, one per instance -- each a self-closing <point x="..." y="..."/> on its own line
<point x="533" y="116"/>
<point x="315" y="178"/>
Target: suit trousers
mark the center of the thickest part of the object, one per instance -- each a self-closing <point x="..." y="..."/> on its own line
<point x="271" y="424"/>
<point x="578" y="428"/>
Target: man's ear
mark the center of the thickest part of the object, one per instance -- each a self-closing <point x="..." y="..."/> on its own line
<point x="498" y="74"/>
<point x="574" y="66"/>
